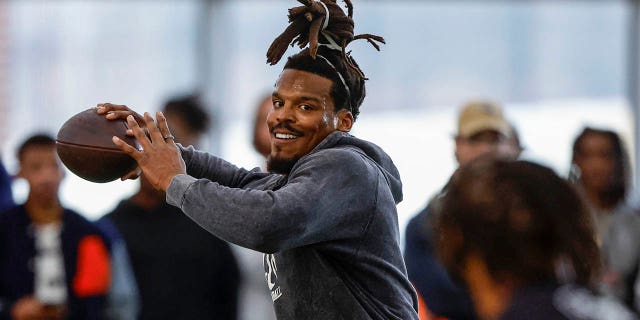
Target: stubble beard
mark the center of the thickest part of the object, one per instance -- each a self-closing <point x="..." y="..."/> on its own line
<point x="280" y="165"/>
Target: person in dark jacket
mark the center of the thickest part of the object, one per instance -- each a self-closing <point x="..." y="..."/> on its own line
<point x="191" y="274"/>
<point x="54" y="264"/>
<point x="325" y="214"/>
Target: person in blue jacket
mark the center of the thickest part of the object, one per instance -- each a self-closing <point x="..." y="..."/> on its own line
<point x="54" y="263"/>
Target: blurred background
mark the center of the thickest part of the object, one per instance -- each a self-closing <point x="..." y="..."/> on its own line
<point x="555" y="66"/>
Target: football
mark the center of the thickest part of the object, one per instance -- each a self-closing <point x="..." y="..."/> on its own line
<point x="85" y="147"/>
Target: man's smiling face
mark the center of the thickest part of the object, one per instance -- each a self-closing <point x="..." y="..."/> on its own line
<point x="302" y="116"/>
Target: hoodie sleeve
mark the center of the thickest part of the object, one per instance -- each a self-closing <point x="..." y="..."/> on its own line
<point x="330" y="194"/>
<point x="207" y="166"/>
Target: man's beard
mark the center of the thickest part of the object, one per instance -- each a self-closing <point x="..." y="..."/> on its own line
<point x="279" y="165"/>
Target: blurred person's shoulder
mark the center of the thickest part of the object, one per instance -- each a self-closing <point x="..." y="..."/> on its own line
<point x="78" y="224"/>
<point x="632" y="203"/>
<point x="564" y="302"/>
<point x="627" y="214"/>
<point x="577" y="302"/>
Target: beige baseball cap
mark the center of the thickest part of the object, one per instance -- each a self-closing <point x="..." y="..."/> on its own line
<point x="482" y="115"/>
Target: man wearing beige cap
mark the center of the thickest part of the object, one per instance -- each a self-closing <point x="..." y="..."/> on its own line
<point x="482" y="130"/>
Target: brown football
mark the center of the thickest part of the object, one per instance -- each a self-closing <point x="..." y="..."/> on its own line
<point x="85" y="147"/>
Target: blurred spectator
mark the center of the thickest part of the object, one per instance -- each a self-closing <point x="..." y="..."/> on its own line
<point x="255" y="298"/>
<point x="261" y="135"/>
<point x="521" y="239"/>
<point x="187" y="273"/>
<point x="482" y="130"/>
<point x="6" y="197"/>
<point x="189" y="119"/>
<point x="54" y="264"/>
<point x="600" y="170"/>
<point x="123" y="301"/>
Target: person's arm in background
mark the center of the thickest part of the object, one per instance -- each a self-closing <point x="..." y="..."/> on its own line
<point x="439" y="293"/>
<point x="93" y="275"/>
<point x="418" y="252"/>
<point x="123" y="302"/>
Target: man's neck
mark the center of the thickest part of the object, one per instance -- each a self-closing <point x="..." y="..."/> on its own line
<point x="43" y="212"/>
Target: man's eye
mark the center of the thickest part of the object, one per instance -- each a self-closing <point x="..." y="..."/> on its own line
<point x="277" y="104"/>
<point x="306" y="107"/>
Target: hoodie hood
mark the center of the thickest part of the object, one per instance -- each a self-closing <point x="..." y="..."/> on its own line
<point x="339" y="139"/>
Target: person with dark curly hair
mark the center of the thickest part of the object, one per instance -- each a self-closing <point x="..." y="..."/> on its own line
<point x="325" y="214"/>
<point x="521" y="239"/>
<point x="482" y="130"/>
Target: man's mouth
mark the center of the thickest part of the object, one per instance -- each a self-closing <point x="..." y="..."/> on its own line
<point x="285" y="136"/>
<point x="284" y="131"/>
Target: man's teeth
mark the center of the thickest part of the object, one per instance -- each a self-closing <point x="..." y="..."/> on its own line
<point x="285" y="136"/>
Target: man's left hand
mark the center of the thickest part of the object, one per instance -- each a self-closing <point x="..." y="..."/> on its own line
<point x="160" y="159"/>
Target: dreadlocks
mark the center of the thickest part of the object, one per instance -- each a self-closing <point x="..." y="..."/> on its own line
<point x="323" y="26"/>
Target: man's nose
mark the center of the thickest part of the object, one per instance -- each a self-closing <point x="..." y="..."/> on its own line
<point x="284" y="114"/>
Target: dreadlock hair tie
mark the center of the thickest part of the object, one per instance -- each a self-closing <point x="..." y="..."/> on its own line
<point x="326" y="18"/>
<point x="344" y="83"/>
<point x="332" y="43"/>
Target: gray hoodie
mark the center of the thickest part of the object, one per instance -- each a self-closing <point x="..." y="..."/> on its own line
<point x="329" y="229"/>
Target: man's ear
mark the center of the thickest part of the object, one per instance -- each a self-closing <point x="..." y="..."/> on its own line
<point x="345" y="120"/>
